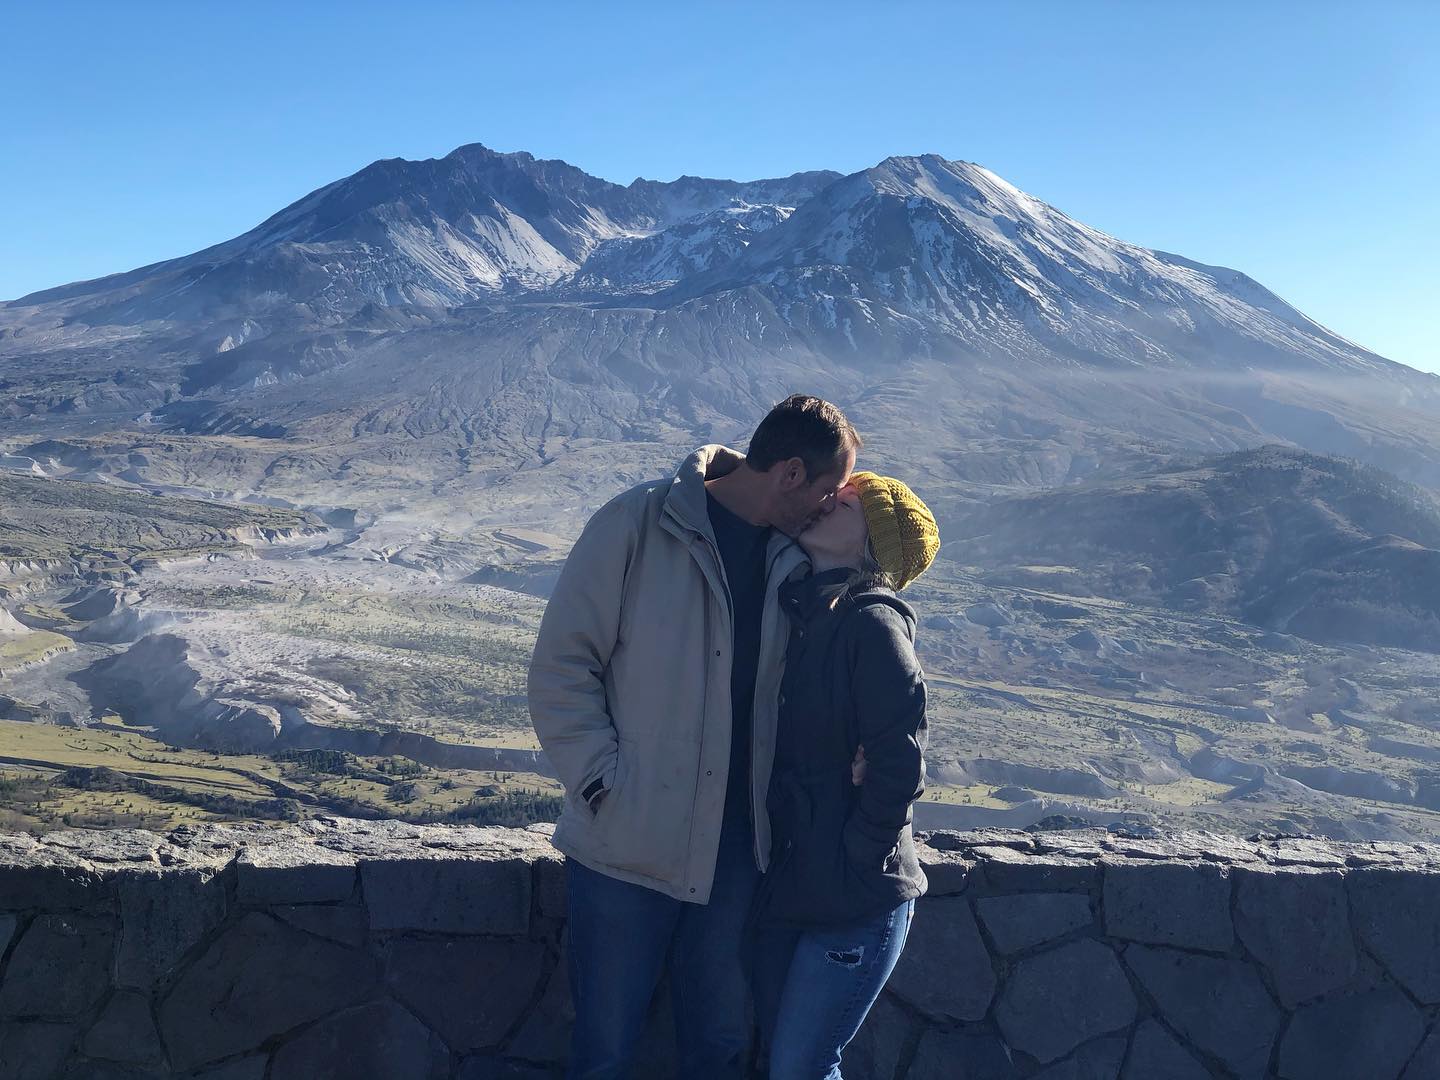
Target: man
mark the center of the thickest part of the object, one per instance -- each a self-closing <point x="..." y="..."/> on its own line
<point x="653" y="690"/>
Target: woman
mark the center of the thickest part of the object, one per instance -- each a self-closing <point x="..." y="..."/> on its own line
<point x="833" y="912"/>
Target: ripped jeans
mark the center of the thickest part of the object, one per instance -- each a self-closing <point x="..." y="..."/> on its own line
<point x="813" y="988"/>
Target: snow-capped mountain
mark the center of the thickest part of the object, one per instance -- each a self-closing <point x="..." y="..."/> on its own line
<point x="1005" y="275"/>
<point x="455" y="319"/>
<point x="433" y="233"/>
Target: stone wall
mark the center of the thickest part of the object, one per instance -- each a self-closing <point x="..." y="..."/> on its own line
<point x="354" y="950"/>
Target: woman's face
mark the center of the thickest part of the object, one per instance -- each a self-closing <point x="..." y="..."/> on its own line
<point x="839" y="537"/>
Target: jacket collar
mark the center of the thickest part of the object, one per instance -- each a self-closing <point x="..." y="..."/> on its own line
<point x="809" y="596"/>
<point x="685" y="502"/>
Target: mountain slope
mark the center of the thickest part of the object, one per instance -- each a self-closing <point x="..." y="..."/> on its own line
<point x="1328" y="549"/>
<point x="447" y="320"/>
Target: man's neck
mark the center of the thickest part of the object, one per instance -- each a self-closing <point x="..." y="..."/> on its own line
<point x="741" y="493"/>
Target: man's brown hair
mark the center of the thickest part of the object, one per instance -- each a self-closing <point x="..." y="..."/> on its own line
<point x="806" y="427"/>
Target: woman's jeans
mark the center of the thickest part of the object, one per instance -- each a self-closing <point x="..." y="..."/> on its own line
<point x="814" y="987"/>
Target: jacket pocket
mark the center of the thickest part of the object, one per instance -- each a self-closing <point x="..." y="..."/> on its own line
<point x="643" y="826"/>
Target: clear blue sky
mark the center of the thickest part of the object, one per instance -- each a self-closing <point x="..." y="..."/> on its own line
<point x="1299" y="142"/>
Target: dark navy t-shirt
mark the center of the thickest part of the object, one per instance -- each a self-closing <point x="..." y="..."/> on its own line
<point x="742" y="550"/>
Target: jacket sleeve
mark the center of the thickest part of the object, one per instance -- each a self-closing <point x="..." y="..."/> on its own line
<point x="578" y="632"/>
<point x="887" y="688"/>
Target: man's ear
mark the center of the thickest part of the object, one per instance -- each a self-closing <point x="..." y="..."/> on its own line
<point x="793" y="474"/>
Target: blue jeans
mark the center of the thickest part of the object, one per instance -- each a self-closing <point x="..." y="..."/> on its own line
<point x="620" y="936"/>
<point x="814" y="987"/>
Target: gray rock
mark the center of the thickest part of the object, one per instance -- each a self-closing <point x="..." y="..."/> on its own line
<point x="945" y="971"/>
<point x="470" y="991"/>
<point x="486" y="1067"/>
<point x="249" y="1068"/>
<point x="1155" y="1053"/>
<point x="1296" y="923"/>
<point x="1425" y="1064"/>
<point x="545" y="1034"/>
<point x="258" y="979"/>
<point x="293" y="871"/>
<point x="344" y="923"/>
<point x="1397" y="913"/>
<point x="1009" y="870"/>
<point x="550" y="894"/>
<point x="458" y="896"/>
<point x="125" y="1032"/>
<point x="59" y="967"/>
<point x="1098" y="1060"/>
<point x="948" y="872"/>
<point x="988" y="613"/>
<point x="1059" y="999"/>
<point x="375" y="1041"/>
<point x="1019" y="922"/>
<point x="1183" y="904"/>
<point x="34" y="1049"/>
<point x="49" y="880"/>
<point x="1219" y="1005"/>
<point x="956" y="1055"/>
<point x="876" y="1048"/>
<point x="162" y="915"/>
<point x="1371" y="1035"/>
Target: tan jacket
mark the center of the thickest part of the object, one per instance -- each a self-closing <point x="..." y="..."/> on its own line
<point x="630" y="682"/>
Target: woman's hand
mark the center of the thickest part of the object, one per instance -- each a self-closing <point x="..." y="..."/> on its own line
<point x="857" y="767"/>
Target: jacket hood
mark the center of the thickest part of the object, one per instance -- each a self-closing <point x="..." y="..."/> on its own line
<point x="686" y="499"/>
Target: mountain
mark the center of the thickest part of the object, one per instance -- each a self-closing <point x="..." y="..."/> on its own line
<point x="425" y="328"/>
<point x="1330" y="550"/>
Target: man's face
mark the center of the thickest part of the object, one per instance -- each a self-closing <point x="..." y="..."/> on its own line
<point x="801" y="506"/>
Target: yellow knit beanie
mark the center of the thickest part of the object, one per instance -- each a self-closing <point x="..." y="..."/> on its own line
<point x="903" y="534"/>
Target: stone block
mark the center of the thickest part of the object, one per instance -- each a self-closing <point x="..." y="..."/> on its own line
<point x="876" y="1048"/>
<point x="34" y="1049"/>
<point x="163" y="914"/>
<point x="545" y="1034"/>
<point x="293" y="872"/>
<point x="59" y="968"/>
<point x="1098" y="1060"/>
<point x="1181" y="904"/>
<point x="1296" y="923"/>
<point x="375" y="1041"/>
<point x="124" y="1032"/>
<point x="1219" y="1005"/>
<point x="1425" y="1064"/>
<point x="1155" y="1053"/>
<point x="1397" y="913"/>
<point x="948" y="872"/>
<point x="945" y="971"/>
<point x="346" y="923"/>
<point x="40" y="881"/>
<point x="1004" y="869"/>
<point x="549" y="886"/>
<point x="1025" y="920"/>
<point x="958" y="1055"/>
<point x="1056" y="1000"/>
<point x="469" y="990"/>
<point x="1371" y="1035"/>
<point x="489" y="1067"/>
<point x="248" y="1068"/>
<point x="256" y="980"/>
<point x="456" y="896"/>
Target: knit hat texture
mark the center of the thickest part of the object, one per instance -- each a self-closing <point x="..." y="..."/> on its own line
<point x="903" y="533"/>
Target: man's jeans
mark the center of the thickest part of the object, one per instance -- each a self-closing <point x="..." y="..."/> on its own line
<point x="813" y="989"/>
<point x="620" y="935"/>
